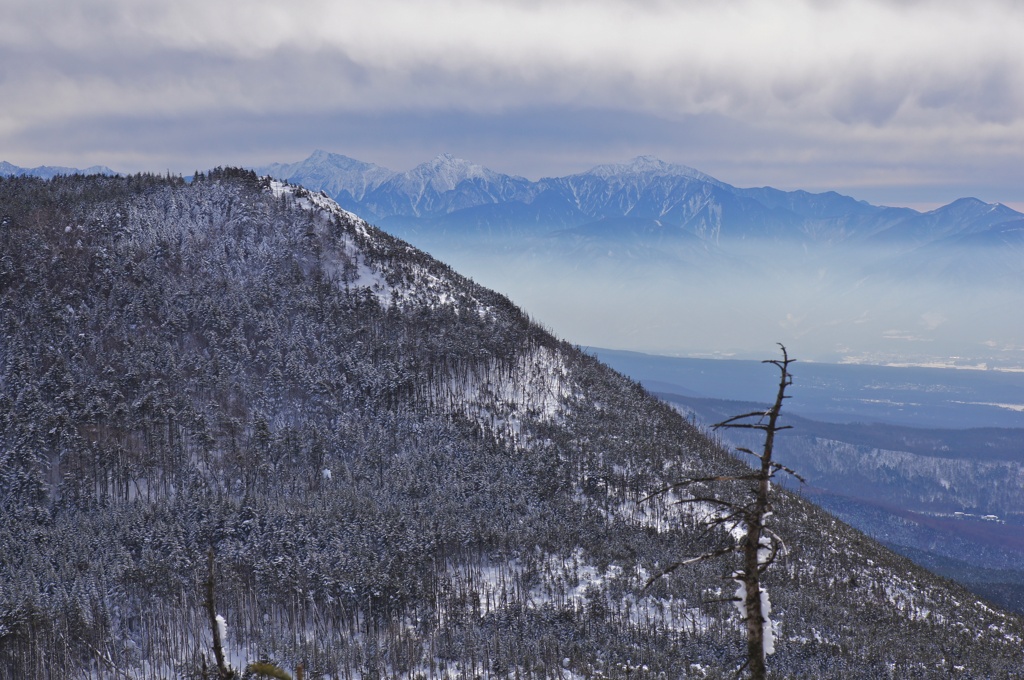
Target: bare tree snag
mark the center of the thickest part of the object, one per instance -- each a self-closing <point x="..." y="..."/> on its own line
<point x="759" y="546"/>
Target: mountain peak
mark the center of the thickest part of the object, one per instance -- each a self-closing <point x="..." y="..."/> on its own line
<point x="447" y="160"/>
<point x="643" y="163"/>
<point x="970" y="205"/>
<point x="444" y="172"/>
<point x="966" y="201"/>
<point x="323" y="158"/>
<point x="649" y="166"/>
<point x="331" y="172"/>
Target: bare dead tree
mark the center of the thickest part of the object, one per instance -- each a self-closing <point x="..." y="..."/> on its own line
<point x="744" y="521"/>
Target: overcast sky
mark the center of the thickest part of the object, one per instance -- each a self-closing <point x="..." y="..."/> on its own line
<point x="901" y="102"/>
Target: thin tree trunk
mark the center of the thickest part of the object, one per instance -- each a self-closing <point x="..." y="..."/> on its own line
<point x="223" y="671"/>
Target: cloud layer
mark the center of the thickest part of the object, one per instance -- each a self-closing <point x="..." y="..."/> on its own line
<point x="815" y="93"/>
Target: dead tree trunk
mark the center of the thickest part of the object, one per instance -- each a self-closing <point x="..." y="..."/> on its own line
<point x="759" y="546"/>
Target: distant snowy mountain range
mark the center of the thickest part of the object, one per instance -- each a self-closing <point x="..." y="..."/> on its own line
<point x="49" y="171"/>
<point x="644" y="196"/>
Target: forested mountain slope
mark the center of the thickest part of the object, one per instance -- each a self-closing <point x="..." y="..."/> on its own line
<point x="398" y="474"/>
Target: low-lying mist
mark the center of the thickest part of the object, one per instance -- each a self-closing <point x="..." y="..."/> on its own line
<point x="829" y="303"/>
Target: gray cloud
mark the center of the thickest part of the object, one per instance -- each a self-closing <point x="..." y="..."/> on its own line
<point x="852" y="92"/>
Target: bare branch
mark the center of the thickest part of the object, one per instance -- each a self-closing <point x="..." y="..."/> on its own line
<point x="721" y="599"/>
<point x="752" y="414"/>
<point x="705" y="499"/>
<point x="762" y="566"/>
<point x="693" y="560"/>
<point x="775" y="537"/>
<point x="697" y="480"/>
<point x="790" y="471"/>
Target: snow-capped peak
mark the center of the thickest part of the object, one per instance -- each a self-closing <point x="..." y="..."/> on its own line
<point x="444" y="172"/>
<point x="332" y="172"/>
<point x="648" y="165"/>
